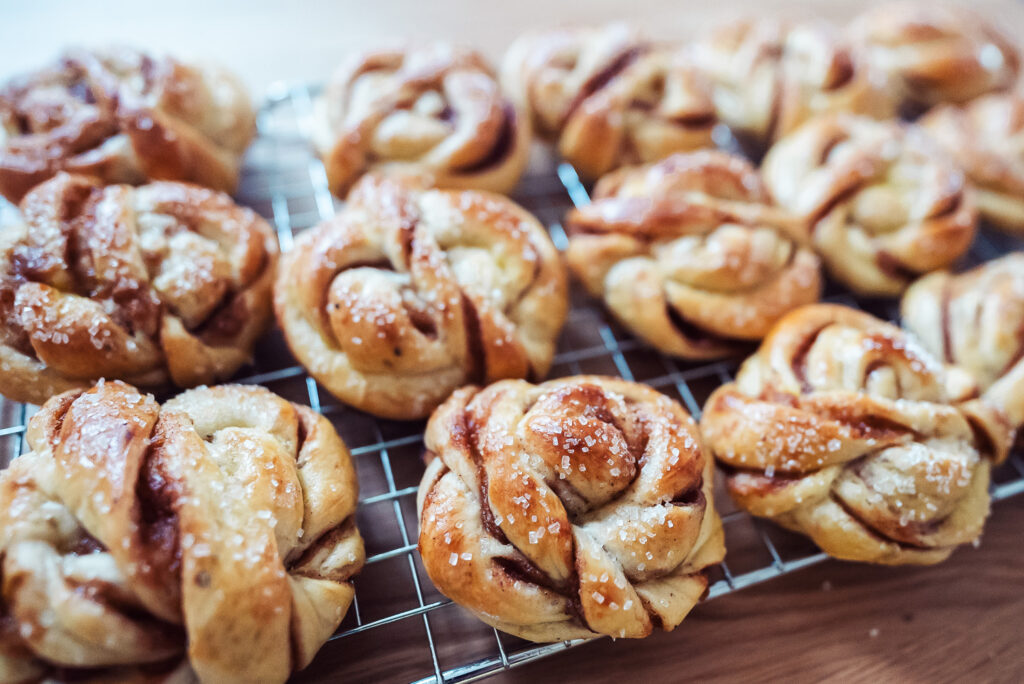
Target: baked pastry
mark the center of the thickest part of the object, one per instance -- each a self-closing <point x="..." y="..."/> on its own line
<point x="986" y="138"/>
<point x="609" y="97"/>
<point x="933" y="52"/>
<point x="690" y="256"/>
<point x="409" y="293"/>
<point x="123" y="116"/>
<point x="883" y="204"/>
<point x="568" y="510"/>
<point x="843" y="428"/>
<point x="976" y="321"/>
<point x="434" y="109"/>
<point x="163" y="284"/>
<point x="769" y="76"/>
<point x="218" y="529"/>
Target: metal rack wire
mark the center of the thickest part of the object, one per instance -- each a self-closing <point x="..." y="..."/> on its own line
<point x="400" y="628"/>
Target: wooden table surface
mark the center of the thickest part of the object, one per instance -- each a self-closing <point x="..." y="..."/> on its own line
<point x="962" y="620"/>
<point x="955" y="622"/>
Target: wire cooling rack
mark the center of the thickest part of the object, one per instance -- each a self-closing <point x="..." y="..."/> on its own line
<point x="400" y="628"/>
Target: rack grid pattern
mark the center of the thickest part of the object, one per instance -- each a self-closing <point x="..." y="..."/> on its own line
<point x="400" y="628"/>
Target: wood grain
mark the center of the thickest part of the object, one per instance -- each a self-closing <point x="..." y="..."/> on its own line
<point x="958" y="621"/>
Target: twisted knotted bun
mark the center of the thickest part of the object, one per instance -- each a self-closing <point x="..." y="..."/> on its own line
<point x="409" y="293"/>
<point x="986" y="138"/>
<point x="434" y="109"/>
<point x="933" y="52"/>
<point x="770" y="76"/>
<point x="571" y="509"/>
<point x="124" y="117"/>
<point x="976" y="321"/>
<point x="609" y="97"/>
<point x="883" y="203"/>
<point x="218" y="528"/>
<point x="844" y="429"/>
<point x="165" y="283"/>
<point x="689" y="254"/>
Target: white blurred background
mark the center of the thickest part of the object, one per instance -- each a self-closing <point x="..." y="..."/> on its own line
<point x="272" y="41"/>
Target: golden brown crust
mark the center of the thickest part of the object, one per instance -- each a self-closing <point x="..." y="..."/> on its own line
<point x="434" y="109"/>
<point x="609" y="97"/>
<point x="218" y="528"/>
<point x="986" y="138"/>
<point x="843" y="428"/>
<point x="123" y="117"/>
<point x="883" y="203"/>
<point x="770" y="76"/>
<point x="409" y="293"/>
<point x="976" y="321"/>
<point x="571" y="509"/>
<point x="165" y="283"/>
<point x="689" y="254"/>
<point x="934" y="52"/>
